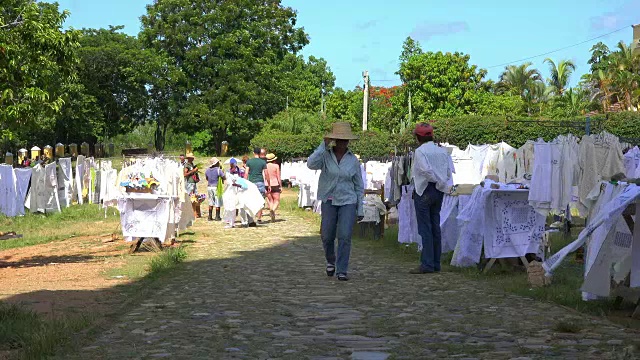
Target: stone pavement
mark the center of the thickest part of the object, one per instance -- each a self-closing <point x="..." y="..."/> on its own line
<point x="262" y="294"/>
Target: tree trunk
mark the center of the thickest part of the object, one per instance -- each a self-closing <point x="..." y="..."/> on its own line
<point x="161" y="132"/>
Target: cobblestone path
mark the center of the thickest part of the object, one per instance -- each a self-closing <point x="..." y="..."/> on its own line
<point x="262" y="294"/>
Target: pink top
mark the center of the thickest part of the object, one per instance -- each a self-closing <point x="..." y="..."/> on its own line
<point x="272" y="175"/>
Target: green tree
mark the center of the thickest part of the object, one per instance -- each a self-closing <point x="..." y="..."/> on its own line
<point x="519" y="80"/>
<point x="442" y="83"/>
<point x="37" y="61"/>
<point x="113" y="70"/>
<point x="560" y="75"/>
<point x="230" y="53"/>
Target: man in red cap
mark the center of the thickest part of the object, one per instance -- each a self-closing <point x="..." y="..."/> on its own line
<point x="430" y="174"/>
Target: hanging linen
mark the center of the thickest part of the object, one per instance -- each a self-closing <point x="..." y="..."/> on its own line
<point x="524" y="162"/>
<point x="23" y="177"/>
<point x="36" y="199"/>
<point x="80" y="167"/>
<point x="51" y="188"/>
<point x="449" y="225"/>
<point x="607" y="217"/>
<point x="631" y="161"/>
<point x="469" y="247"/>
<point x="477" y="153"/>
<point x="540" y="189"/>
<point x="8" y="191"/>
<point x="407" y="222"/>
<point x="65" y="182"/>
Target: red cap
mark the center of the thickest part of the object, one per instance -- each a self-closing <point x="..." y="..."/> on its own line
<point x="423" y="130"/>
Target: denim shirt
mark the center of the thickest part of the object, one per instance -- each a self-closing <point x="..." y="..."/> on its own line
<point x="342" y="182"/>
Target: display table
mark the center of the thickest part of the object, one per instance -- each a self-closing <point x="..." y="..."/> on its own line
<point x="144" y="215"/>
<point x="501" y="223"/>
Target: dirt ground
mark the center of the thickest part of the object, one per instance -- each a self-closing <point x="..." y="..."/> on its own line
<point x="45" y="277"/>
<point x="70" y="276"/>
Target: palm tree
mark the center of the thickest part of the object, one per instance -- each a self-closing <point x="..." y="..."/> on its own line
<point x="624" y="66"/>
<point x="600" y="85"/>
<point x="560" y="75"/>
<point x="518" y="79"/>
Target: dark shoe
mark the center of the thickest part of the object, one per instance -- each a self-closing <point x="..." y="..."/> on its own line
<point x="331" y="270"/>
<point x="210" y="218"/>
<point x="218" y="218"/>
<point x="420" y="271"/>
<point x="253" y="224"/>
<point x="343" y="277"/>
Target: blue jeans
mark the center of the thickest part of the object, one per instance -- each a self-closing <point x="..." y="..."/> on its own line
<point x="428" y="215"/>
<point x="261" y="188"/>
<point x="338" y="221"/>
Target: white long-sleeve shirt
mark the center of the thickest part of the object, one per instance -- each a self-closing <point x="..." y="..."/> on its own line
<point x="431" y="164"/>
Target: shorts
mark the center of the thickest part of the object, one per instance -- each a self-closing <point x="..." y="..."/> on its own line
<point x="276" y="189"/>
<point x="214" y="200"/>
<point x="191" y="188"/>
<point x="261" y="188"/>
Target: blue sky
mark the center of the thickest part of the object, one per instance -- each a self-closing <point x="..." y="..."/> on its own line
<point x="356" y="35"/>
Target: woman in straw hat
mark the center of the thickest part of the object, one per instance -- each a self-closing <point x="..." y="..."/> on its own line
<point x="215" y="180"/>
<point x="341" y="191"/>
<point x="274" y="184"/>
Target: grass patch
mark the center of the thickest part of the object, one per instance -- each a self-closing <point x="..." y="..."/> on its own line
<point x="570" y="327"/>
<point x="77" y="220"/>
<point x="27" y="335"/>
<point x="167" y="260"/>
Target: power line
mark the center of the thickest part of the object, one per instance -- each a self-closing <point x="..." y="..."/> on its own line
<point x="564" y="48"/>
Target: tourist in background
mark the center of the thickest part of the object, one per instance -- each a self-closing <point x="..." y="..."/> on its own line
<point x="256" y="168"/>
<point x="274" y="185"/>
<point x="192" y="178"/>
<point x="340" y="189"/>
<point x="235" y="169"/>
<point x="215" y="178"/>
<point x="430" y="173"/>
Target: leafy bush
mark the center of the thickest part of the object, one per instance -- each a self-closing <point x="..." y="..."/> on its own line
<point x="373" y="144"/>
<point x="285" y="145"/>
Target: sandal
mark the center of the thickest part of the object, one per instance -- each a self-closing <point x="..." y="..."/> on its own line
<point x="343" y="277"/>
<point x="331" y="269"/>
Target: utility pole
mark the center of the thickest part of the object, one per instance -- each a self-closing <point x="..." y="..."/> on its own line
<point x="410" y="117"/>
<point x="322" y="100"/>
<point x="365" y="105"/>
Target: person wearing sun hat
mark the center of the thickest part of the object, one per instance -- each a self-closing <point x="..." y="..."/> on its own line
<point x="192" y="178"/>
<point x="215" y="178"/>
<point x="274" y="184"/>
<point x="341" y="191"/>
<point x="430" y="174"/>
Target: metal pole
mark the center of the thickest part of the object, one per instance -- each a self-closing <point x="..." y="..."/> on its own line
<point x="587" y="127"/>
<point x="365" y="105"/>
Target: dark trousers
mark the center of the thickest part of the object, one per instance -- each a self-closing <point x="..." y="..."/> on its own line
<point x="428" y="207"/>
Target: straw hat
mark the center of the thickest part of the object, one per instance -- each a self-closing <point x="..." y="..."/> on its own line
<point x="214" y="161"/>
<point x="190" y="155"/>
<point x="271" y="157"/>
<point x="341" y="131"/>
